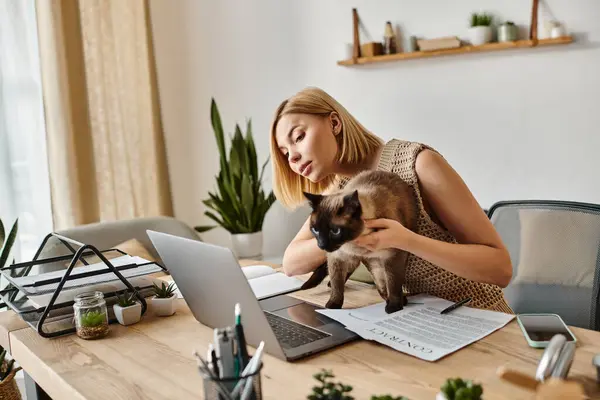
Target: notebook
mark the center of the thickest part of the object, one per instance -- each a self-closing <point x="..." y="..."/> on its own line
<point x="266" y="282"/>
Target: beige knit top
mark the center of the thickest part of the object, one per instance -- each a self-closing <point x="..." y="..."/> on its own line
<point x="422" y="276"/>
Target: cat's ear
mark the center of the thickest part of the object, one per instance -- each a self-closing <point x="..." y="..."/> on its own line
<point x="352" y="203"/>
<point x="313" y="199"/>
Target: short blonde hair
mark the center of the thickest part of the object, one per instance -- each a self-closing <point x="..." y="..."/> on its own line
<point x="355" y="144"/>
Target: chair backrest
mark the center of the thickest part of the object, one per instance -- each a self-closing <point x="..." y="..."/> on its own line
<point x="554" y="248"/>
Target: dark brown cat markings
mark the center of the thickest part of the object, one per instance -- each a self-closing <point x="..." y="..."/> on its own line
<point x="337" y="219"/>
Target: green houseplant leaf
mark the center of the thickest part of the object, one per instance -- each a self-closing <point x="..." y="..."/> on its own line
<point x="10" y="241"/>
<point x="239" y="203"/>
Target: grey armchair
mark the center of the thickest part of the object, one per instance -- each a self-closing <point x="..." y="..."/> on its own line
<point x="554" y="248"/>
<point x="104" y="235"/>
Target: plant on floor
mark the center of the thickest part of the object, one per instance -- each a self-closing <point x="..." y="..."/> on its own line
<point x="126" y="299"/>
<point x="240" y="204"/>
<point x="459" y="389"/>
<point x="329" y="390"/>
<point x="5" y="367"/>
<point x="164" y="291"/>
<point x="481" y="19"/>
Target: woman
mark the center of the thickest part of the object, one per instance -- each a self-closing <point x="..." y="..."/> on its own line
<point x="317" y="146"/>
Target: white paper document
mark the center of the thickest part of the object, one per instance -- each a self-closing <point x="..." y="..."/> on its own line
<point x="266" y="282"/>
<point x="419" y="329"/>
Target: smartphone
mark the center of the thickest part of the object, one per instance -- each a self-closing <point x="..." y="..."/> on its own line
<point x="540" y="328"/>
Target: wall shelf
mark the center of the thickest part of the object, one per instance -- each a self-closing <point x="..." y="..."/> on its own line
<point x="467" y="49"/>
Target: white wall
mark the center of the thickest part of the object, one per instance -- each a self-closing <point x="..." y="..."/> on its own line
<point x="515" y="124"/>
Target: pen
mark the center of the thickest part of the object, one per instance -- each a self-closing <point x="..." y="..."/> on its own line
<point x="241" y="339"/>
<point x="455" y="305"/>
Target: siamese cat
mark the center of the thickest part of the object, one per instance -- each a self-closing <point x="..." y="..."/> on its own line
<point x="337" y="219"/>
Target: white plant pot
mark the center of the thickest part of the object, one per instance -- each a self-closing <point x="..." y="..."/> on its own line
<point x="247" y="245"/>
<point x="479" y="35"/>
<point x="164" y="307"/>
<point x="128" y="315"/>
<point x="440" y="396"/>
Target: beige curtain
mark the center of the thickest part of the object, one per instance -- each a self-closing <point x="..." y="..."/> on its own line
<point x="105" y="143"/>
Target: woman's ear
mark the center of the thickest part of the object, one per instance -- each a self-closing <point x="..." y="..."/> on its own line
<point x="336" y="123"/>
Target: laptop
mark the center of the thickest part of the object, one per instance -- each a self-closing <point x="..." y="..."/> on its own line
<point x="211" y="281"/>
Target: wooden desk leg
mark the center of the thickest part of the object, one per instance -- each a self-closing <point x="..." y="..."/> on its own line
<point x="32" y="390"/>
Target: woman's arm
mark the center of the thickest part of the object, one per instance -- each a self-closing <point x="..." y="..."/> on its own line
<point x="479" y="255"/>
<point x="303" y="255"/>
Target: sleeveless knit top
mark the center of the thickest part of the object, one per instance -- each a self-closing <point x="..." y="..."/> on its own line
<point x="422" y="276"/>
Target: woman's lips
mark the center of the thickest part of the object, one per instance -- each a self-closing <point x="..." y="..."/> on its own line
<point x="306" y="168"/>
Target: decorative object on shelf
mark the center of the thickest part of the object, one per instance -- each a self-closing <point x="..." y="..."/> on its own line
<point x="555" y="29"/>
<point x="91" y="316"/>
<point x="480" y="31"/>
<point x="163" y="302"/>
<point x="456" y="388"/>
<point x="6" y="245"/>
<point x="8" y="385"/>
<point x="451" y="42"/>
<point x="371" y="49"/>
<point x="127" y="309"/>
<point x="240" y="204"/>
<point x="390" y="45"/>
<point x="508" y="32"/>
<point x="413" y="44"/>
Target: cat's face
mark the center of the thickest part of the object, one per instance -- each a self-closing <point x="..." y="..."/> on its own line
<point x="335" y="219"/>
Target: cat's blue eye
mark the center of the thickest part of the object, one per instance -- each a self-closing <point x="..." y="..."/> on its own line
<point x="314" y="230"/>
<point x="336" y="230"/>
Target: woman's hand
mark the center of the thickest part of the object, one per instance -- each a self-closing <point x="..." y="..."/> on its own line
<point x="389" y="234"/>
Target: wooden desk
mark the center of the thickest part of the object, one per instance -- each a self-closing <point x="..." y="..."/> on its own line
<point x="153" y="360"/>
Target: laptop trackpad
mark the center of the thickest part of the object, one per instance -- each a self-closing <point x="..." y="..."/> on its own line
<point x="305" y="314"/>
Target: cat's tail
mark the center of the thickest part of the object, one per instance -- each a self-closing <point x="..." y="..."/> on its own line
<point x="317" y="277"/>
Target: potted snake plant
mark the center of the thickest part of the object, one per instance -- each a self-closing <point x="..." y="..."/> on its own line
<point x="239" y="204"/>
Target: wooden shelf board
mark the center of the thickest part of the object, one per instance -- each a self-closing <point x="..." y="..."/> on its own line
<point x="519" y="44"/>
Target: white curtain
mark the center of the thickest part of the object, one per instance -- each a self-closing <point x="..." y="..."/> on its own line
<point x="24" y="183"/>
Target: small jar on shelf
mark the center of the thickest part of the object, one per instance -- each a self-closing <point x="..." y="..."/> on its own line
<point x="91" y="315"/>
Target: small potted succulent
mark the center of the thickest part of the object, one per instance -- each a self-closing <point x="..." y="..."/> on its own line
<point x="127" y="309"/>
<point x="164" y="298"/>
<point x="508" y="32"/>
<point x="458" y="389"/>
<point x="480" y="31"/>
<point x="92" y="324"/>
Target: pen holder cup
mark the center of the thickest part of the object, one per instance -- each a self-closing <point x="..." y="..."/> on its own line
<point x="213" y="388"/>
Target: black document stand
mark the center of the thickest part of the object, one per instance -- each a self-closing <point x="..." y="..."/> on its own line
<point x="15" y="296"/>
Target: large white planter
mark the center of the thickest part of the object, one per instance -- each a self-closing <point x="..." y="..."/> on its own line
<point x="164" y="307"/>
<point x="128" y="315"/>
<point x="247" y="245"/>
<point x="479" y="35"/>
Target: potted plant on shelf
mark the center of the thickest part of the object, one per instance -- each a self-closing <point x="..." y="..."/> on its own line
<point x="508" y="32"/>
<point x="480" y="31"/>
<point x="127" y="309"/>
<point x="92" y="324"/>
<point x="164" y="298"/>
<point x="8" y="385"/>
<point x="240" y="204"/>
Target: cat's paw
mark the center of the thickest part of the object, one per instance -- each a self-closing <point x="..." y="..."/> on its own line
<point x="334" y="304"/>
<point x="393" y="307"/>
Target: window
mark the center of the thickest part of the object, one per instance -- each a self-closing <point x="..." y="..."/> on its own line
<point x="24" y="181"/>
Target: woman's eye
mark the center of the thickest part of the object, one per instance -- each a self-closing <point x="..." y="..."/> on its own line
<point x="336" y="230"/>
<point x="286" y="155"/>
<point x="300" y="137"/>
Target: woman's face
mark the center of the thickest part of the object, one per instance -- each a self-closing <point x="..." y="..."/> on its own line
<point x="309" y="144"/>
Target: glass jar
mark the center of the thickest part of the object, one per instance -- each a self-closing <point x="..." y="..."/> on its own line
<point x="91" y="315"/>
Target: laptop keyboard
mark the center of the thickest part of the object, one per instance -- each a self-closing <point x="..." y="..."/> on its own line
<point x="291" y="334"/>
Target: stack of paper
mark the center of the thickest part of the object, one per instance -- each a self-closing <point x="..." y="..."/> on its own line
<point x="419" y="329"/>
<point x="40" y="288"/>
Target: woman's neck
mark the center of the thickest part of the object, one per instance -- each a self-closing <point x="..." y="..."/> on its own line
<point x="370" y="163"/>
